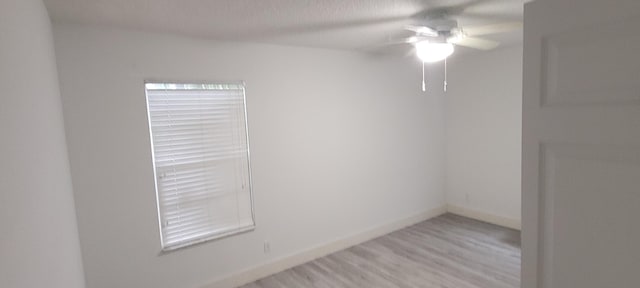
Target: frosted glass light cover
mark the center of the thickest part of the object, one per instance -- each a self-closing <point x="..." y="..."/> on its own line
<point x="433" y="52"/>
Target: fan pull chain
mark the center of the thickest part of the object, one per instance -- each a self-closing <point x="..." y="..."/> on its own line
<point x="445" y="75"/>
<point x="424" y="83"/>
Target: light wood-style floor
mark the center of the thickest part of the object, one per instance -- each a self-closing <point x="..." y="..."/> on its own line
<point x="448" y="251"/>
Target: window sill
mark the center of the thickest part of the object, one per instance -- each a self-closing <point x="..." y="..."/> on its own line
<point x="187" y="244"/>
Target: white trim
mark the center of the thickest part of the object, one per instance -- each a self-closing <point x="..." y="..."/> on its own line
<point x="485" y="217"/>
<point x="286" y="262"/>
<point x="150" y="85"/>
<point x="232" y="232"/>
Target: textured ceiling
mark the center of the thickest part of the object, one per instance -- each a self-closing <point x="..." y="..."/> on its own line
<point x="340" y="24"/>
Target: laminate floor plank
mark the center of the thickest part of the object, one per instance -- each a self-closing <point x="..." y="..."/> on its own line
<point x="449" y="251"/>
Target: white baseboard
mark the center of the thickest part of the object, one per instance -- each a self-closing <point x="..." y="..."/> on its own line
<point x="485" y="217"/>
<point x="287" y="262"/>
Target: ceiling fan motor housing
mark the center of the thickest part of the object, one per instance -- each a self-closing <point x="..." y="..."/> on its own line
<point x="442" y="25"/>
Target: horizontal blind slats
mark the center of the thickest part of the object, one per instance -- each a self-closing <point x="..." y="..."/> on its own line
<point x="197" y="232"/>
<point x="194" y="197"/>
<point x="200" y="154"/>
<point x="189" y="189"/>
<point x="198" y="150"/>
<point x="178" y="155"/>
<point x="186" y="143"/>
<point x="165" y="132"/>
<point x="186" y="160"/>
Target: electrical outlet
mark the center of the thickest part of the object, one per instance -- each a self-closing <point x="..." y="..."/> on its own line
<point x="267" y="247"/>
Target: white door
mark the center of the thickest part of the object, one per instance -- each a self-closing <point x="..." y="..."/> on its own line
<point x="581" y="144"/>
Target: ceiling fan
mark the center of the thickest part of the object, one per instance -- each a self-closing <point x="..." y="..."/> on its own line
<point x="437" y="35"/>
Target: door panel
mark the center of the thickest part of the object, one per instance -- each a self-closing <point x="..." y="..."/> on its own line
<point x="606" y="47"/>
<point x="581" y="144"/>
<point x="590" y="204"/>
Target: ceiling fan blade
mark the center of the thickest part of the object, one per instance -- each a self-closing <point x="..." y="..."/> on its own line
<point x="407" y="40"/>
<point x="476" y="43"/>
<point x="410" y="53"/>
<point x="422" y="30"/>
<point x="492" y="28"/>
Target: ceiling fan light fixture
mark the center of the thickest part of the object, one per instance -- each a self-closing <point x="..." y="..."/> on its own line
<point x="433" y="51"/>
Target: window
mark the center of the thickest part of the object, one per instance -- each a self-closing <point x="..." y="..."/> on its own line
<point x="201" y="161"/>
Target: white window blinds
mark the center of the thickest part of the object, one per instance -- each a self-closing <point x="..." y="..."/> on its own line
<point x="201" y="159"/>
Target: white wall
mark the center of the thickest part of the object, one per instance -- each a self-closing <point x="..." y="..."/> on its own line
<point x="341" y="142"/>
<point x="483" y="141"/>
<point x="39" y="244"/>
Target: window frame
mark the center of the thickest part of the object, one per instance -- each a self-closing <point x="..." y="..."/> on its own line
<point x="164" y="248"/>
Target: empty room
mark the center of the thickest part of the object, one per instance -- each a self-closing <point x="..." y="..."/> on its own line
<point x="289" y="143"/>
